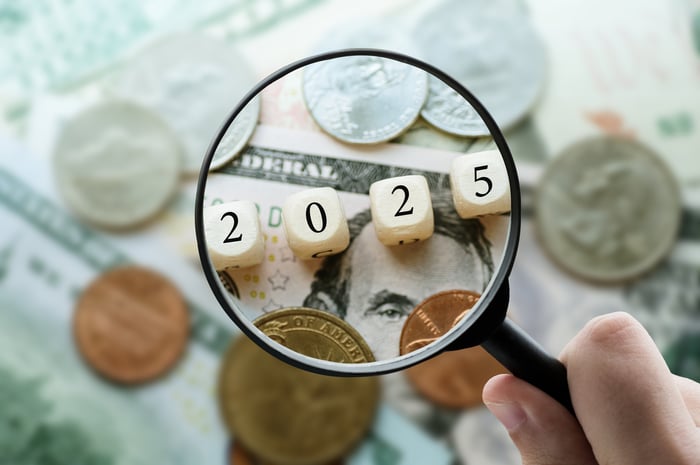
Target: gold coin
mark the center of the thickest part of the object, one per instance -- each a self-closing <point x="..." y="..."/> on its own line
<point x="316" y="334"/>
<point x="131" y="324"/>
<point x="287" y="416"/>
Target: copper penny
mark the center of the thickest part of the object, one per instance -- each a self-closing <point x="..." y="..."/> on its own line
<point x="131" y="324"/>
<point x="434" y="317"/>
<point x="455" y="379"/>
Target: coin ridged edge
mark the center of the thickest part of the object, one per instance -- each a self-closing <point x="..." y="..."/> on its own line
<point x="352" y="332"/>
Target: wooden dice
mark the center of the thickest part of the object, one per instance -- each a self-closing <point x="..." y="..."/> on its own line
<point x="315" y="224"/>
<point x="479" y="183"/>
<point x="233" y="234"/>
<point x="402" y="211"/>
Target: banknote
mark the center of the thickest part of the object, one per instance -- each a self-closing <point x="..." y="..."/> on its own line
<point x="64" y="413"/>
<point x="634" y="71"/>
<point x="47" y="260"/>
<point x="387" y="283"/>
<point x="82" y="38"/>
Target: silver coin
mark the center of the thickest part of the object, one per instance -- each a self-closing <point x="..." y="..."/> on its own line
<point x="116" y="164"/>
<point x="608" y="209"/>
<point x="364" y="99"/>
<point x="237" y="135"/>
<point x="193" y="82"/>
<point x="493" y="51"/>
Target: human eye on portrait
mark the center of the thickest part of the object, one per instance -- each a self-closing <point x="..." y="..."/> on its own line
<point x="389" y="306"/>
<point x="391" y="312"/>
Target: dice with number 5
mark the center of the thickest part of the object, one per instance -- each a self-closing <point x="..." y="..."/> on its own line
<point x="402" y="211"/>
<point x="479" y="183"/>
<point x="315" y="223"/>
<point x="233" y="234"/>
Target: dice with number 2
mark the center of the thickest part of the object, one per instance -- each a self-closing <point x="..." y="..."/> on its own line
<point x="479" y="183"/>
<point x="402" y="211"/>
<point x="233" y="234"/>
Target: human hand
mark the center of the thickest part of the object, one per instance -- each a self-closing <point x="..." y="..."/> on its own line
<point x="631" y="409"/>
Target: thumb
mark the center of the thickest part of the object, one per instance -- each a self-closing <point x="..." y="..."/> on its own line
<point x="544" y="431"/>
<point x="628" y="403"/>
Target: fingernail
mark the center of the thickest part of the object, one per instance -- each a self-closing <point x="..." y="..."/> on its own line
<point x="511" y="415"/>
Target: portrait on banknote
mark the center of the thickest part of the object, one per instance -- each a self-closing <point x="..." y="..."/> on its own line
<point x="374" y="288"/>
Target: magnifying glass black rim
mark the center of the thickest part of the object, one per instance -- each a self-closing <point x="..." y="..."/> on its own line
<point x="380" y="366"/>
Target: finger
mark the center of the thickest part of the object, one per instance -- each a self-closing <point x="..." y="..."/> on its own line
<point x="544" y="432"/>
<point x="690" y="390"/>
<point x="625" y="397"/>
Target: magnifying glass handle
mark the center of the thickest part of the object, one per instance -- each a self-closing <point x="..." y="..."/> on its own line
<point x="527" y="360"/>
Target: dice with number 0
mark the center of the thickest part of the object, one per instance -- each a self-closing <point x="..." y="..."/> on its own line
<point x="315" y="223"/>
<point x="402" y="211"/>
<point x="233" y="234"/>
<point x="479" y="183"/>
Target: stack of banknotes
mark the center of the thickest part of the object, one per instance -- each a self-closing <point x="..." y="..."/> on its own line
<point x="100" y="98"/>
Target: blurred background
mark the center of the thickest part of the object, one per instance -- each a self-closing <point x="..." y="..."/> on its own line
<point x="625" y="69"/>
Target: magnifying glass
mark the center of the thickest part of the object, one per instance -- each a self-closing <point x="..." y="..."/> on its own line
<point x="343" y="252"/>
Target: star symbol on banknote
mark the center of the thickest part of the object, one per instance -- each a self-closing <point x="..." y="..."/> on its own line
<point x="270" y="306"/>
<point x="278" y="280"/>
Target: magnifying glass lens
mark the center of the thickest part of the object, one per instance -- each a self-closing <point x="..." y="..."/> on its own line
<point x="356" y="232"/>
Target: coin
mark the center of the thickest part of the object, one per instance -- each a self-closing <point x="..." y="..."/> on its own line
<point x="193" y="82"/>
<point x="316" y="334"/>
<point x="455" y="379"/>
<point x="288" y="416"/>
<point x="237" y="135"/>
<point x="131" y="324"/>
<point x="493" y="51"/>
<point x="434" y="317"/>
<point x="116" y="164"/>
<point x="364" y="99"/>
<point x="607" y="209"/>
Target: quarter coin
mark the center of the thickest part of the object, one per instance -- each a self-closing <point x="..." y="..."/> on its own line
<point x="608" y="209"/>
<point x="116" y="164"/>
<point x="364" y="99"/>
<point x="193" y="82"/>
<point x="492" y="50"/>
<point x="131" y="324"/>
<point x="237" y="135"/>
